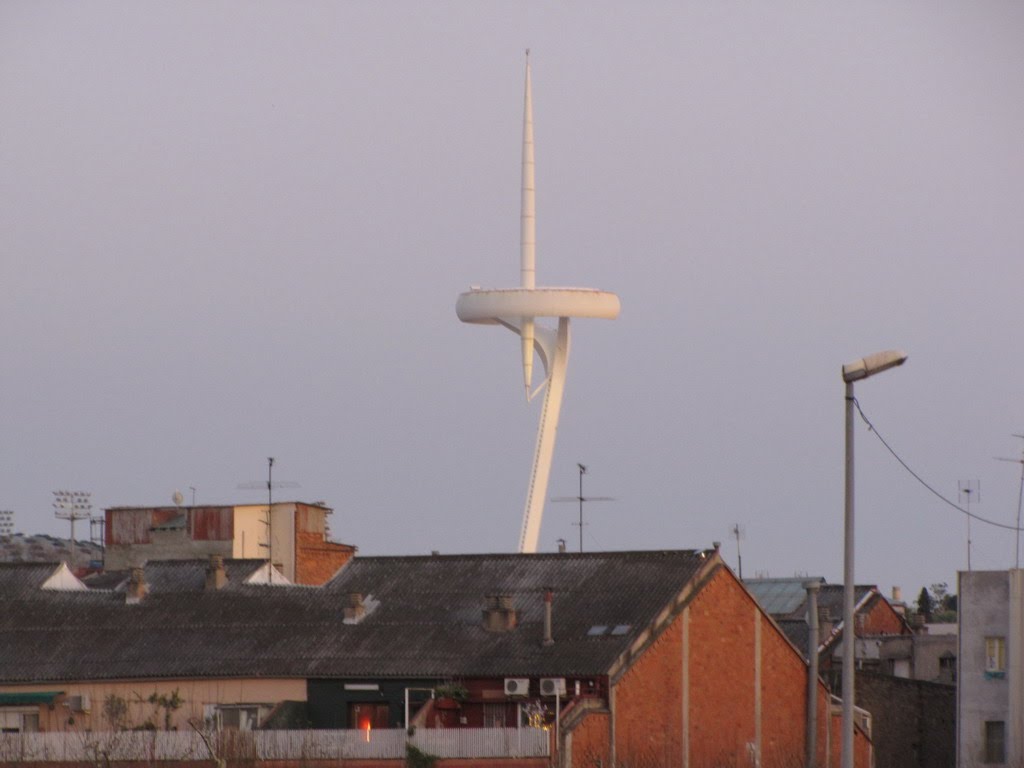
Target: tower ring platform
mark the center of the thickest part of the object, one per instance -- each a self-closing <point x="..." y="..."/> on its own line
<point x="489" y="305"/>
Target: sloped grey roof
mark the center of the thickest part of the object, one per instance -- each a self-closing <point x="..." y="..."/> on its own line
<point x="23" y="579"/>
<point x="426" y="620"/>
<point x="798" y="633"/>
<point x="176" y="575"/>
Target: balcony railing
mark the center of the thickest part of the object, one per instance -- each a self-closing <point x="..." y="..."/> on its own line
<point x="273" y="745"/>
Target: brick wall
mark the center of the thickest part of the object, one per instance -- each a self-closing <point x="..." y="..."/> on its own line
<point x="722" y="643"/>
<point x="862" y="747"/>
<point x="588" y="745"/>
<point x="912" y="721"/>
<point x="727" y="713"/>
<point x="648" y="704"/>
<point x="880" y="619"/>
<point x="316" y="560"/>
<point x="784" y="702"/>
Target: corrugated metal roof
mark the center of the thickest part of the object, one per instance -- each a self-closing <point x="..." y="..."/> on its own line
<point x="428" y="621"/>
<point x="787" y="598"/>
<point x="779" y="597"/>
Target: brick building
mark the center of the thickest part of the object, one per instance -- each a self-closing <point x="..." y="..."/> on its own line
<point x="294" y="534"/>
<point x="624" y="658"/>
<point x="878" y="624"/>
<point x="912" y="719"/>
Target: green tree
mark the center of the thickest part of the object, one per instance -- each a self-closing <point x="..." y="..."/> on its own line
<point x="925" y="604"/>
<point x="945" y="604"/>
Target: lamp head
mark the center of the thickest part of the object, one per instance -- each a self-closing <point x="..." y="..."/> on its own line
<point x="872" y="364"/>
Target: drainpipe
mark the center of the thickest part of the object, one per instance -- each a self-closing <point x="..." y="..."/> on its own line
<point x="548" y="597"/>
<point x="812" y="588"/>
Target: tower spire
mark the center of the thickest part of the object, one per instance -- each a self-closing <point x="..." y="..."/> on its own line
<point x="528" y="229"/>
<point x="517" y="309"/>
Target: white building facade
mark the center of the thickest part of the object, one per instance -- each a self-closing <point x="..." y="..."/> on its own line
<point x="990" y="671"/>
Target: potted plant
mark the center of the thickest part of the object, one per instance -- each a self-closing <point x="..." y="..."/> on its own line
<point x="450" y="695"/>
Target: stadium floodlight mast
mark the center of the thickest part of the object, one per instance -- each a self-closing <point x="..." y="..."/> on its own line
<point x="855" y="371"/>
<point x="6" y="522"/>
<point x="517" y="309"/>
<point x="72" y="505"/>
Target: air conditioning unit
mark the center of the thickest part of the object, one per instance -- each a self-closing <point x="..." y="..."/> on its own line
<point x="78" y="703"/>
<point x="552" y="686"/>
<point x="517" y="686"/>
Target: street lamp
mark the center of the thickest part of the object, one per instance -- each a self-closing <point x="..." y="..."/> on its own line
<point x="72" y="505"/>
<point x="855" y="371"/>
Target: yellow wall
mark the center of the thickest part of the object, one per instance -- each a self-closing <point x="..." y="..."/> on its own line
<point x="194" y="693"/>
<point x="251" y="529"/>
<point x="250" y="532"/>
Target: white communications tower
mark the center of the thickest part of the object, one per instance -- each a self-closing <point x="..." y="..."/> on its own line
<point x="516" y="309"/>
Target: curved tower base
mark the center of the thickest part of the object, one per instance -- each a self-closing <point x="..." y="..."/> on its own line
<point x="553" y="348"/>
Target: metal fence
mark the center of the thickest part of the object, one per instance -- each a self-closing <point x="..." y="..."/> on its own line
<point x="272" y="745"/>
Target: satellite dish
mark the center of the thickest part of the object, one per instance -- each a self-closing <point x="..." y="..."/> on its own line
<point x="177" y="498"/>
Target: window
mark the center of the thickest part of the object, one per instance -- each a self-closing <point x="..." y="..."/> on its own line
<point x="237" y="718"/>
<point x="495" y="715"/>
<point x="995" y="741"/>
<point x="947" y="667"/>
<point x="368" y="715"/>
<point x="995" y="656"/>
<point x="19" y="720"/>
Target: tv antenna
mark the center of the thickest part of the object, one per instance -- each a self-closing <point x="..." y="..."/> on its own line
<point x="970" y="490"/>
<point x="581" y="498"/>
<point x="1020" y="496"/>
<point x="739" y="533"/>
<point x="270" y="485"/>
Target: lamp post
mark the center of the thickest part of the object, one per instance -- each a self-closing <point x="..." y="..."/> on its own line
<point x="855" y="371"/>
<point x="72" y="505"/>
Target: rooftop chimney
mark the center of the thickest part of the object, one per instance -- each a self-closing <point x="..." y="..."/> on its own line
<point x="561" y="546"/>
<point x="897" y="602"/>
<point x="137" y="587"/>
<point x="499" y="615"/>
<point x="355" y="610"/>
<point x="548" y="598"/>
<point x="216" y="577"/>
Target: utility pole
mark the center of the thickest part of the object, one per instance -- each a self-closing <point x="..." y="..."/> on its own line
<point x="1020" y="497"/>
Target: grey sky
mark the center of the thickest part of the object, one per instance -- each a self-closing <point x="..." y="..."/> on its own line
<point x="236" y="230"/>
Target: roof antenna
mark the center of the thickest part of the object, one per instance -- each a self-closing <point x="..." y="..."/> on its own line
<point x="581" y="498"/>
<point x="269" y="484"/>
<point x="739" y="533"/>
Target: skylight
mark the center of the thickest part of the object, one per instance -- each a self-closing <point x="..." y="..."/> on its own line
<point x="597" y="630"/>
